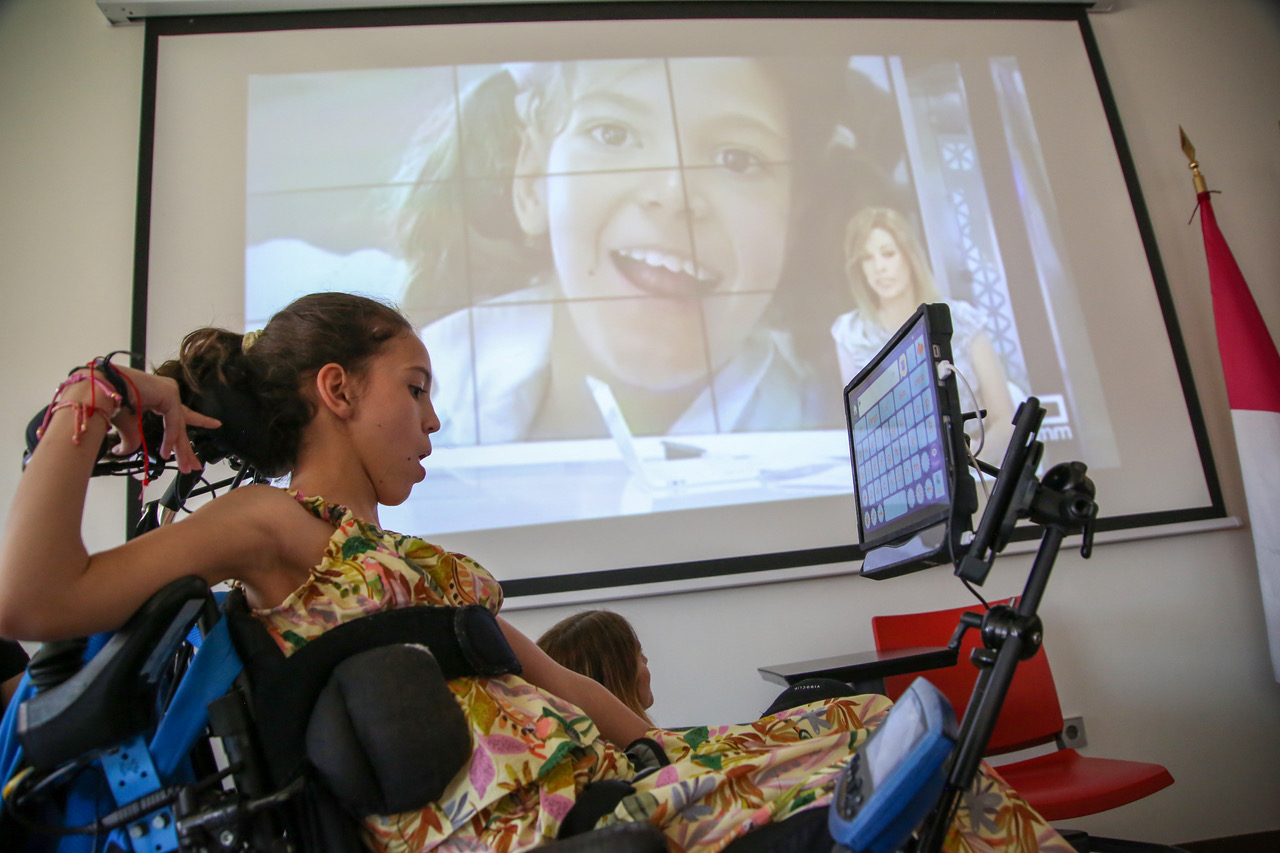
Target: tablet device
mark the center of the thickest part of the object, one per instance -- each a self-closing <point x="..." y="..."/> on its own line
<point x="914" y="493"/>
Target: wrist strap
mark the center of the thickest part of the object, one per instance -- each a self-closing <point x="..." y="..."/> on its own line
<point x="109" y="371"/>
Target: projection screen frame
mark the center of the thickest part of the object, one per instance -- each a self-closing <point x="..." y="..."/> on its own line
<point x="739" y="568"/>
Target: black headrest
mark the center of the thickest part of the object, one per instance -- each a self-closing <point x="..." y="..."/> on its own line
<point x="243" y="433"/>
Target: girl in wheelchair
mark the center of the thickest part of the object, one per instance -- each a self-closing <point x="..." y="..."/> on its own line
<point x="339" y="390"/>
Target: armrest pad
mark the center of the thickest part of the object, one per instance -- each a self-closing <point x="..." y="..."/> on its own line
<point x="862" y="668"/>
<point x="114" y="695"/>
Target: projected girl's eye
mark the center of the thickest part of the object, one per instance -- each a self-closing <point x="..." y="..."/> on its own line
<point x="612" y="135"/>
<point x="738" y="160"/>
<point x="882" y="255"/>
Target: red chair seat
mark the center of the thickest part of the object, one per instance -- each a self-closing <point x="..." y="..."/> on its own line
<point x="1060" y="785"/>
<point x="1065" y="784"/>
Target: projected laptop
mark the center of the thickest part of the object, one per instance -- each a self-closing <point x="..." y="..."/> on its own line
<point x="668" y="474"/>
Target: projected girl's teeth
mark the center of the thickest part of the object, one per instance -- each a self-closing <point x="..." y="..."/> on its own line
<point x="664" y="274"/>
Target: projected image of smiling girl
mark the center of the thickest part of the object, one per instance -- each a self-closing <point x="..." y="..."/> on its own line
<point x="667" y="216"/>
<point x="661" y="194"/>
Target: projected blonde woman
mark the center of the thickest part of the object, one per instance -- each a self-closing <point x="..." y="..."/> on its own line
<point x="889" y="277"/>
<point x="628" y="220"/>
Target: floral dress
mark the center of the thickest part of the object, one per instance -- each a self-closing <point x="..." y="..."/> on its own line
<point x="533" y="753"/>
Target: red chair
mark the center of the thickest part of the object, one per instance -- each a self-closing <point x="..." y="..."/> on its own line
<point x="1059" y="785"/>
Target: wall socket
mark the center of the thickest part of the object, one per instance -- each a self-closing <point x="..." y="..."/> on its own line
<point x="1073" y="736"/>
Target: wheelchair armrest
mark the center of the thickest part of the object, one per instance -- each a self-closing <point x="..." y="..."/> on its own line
<point x="866" y="671"/>
<point x="113" y="696"/>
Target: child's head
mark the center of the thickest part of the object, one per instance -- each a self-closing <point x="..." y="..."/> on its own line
<point x="883" y="259"/>
<point x="273" y="370"/>
<point x="659" y="195"/>
<point x="663" y="189"/>
<point x="603" y="646"/>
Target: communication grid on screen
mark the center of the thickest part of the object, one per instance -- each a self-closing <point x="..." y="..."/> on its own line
<point x="900" y="415"/>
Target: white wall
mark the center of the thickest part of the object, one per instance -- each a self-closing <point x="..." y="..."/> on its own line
<point x="1158" y="643"/>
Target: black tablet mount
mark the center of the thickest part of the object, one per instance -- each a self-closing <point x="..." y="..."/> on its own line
<point x="1062" y="504"/>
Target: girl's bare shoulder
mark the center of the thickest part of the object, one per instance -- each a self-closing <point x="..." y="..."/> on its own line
<point x="263" y="510"/>
<point x="250" y="500"/>
<point x="284" y="538"/>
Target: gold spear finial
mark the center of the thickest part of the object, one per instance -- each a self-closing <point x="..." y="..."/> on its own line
<point x="1190" y="151"/>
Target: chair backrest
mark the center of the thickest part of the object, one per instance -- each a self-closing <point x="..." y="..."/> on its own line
<point x="1031" y="714"/>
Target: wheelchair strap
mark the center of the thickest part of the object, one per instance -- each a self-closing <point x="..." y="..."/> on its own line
<point x="465" y="641"/>
<point x="210" y="675"/>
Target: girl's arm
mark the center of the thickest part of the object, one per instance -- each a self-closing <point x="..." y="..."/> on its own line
<point x="994" y="384"/>
<point x="618" y="723"/>
<point x="50" y="586"/>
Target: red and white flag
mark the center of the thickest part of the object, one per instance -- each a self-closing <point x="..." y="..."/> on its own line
<point x="1252" y="368"/>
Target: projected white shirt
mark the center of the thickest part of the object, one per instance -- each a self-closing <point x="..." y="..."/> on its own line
<point x="859" y="338"/>
<point x="494" y="397"/>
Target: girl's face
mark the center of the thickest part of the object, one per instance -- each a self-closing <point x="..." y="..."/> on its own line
<point x="394" y="418"/>
<point x="885" y="267"/>
<point x="643" y="689"/>
<point x="667" y="197"/>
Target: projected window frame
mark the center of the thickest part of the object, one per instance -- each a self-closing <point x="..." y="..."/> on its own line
<point x="978" y="251"/>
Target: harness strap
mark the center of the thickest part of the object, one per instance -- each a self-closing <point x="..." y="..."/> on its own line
<point x="210" y="675"/>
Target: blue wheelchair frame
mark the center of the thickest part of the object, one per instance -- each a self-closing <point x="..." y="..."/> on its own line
<point x="148" y="764"/>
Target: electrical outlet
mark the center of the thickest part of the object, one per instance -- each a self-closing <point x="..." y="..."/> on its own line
<point x="1073" y="736"/>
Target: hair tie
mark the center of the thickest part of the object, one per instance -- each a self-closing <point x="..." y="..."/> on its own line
<point x="249" y="339"/>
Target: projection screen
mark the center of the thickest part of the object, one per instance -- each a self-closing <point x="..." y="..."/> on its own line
<point x="647" y="254"/>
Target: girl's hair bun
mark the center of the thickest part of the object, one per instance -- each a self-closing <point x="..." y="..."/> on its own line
<point x="253" y="382"/>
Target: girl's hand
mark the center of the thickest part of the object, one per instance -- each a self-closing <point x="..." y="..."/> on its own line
<point x="159" y="394"/>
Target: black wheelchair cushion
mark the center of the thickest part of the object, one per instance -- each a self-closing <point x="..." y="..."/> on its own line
<point x="464" y="641"/>
<point x="386" y="734"/>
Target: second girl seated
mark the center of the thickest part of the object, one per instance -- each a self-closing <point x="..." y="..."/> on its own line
<point x="603" y="646"/>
